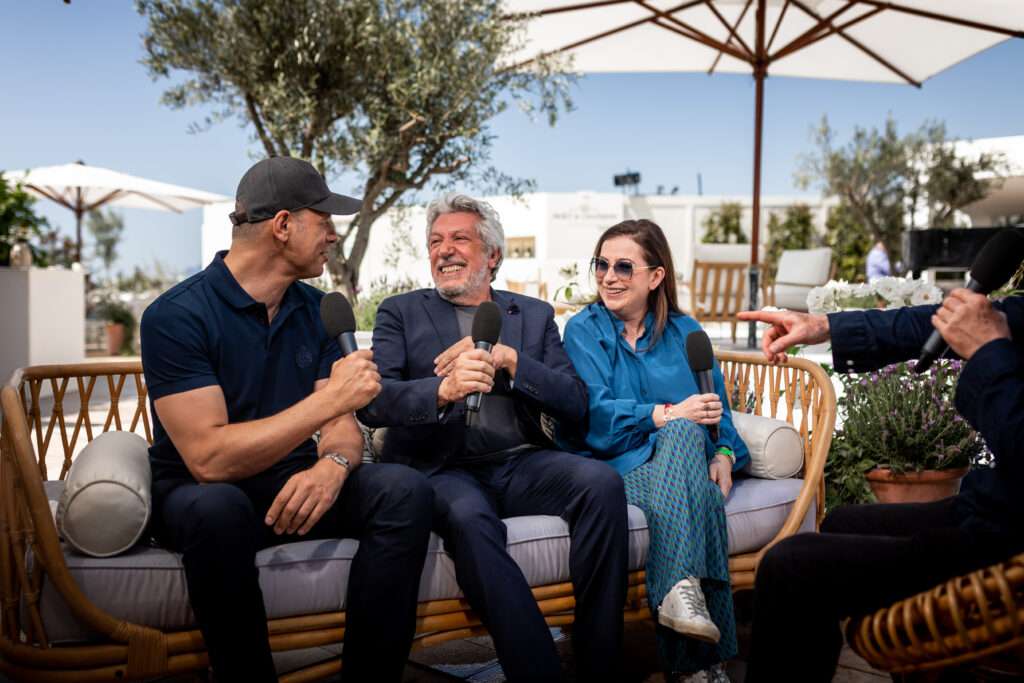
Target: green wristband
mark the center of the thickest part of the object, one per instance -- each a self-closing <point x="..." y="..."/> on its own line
<point x="727" y="452"/>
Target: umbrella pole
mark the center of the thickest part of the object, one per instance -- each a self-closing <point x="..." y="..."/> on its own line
<point x="78" y="235"/>
<point x="760" y="71"/>
<point x="78" y="225"/>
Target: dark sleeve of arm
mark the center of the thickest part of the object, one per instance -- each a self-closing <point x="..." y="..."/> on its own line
<point x="552" y="381"/>
<point x="990" y="395"/>
<point x="329" y="353"/>
<point x="402" y="401"/>
<point x="867" y="340"/>
<point x="175" y="350"/>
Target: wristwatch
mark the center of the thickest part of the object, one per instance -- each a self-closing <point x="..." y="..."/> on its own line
<point x="339" y="459"/>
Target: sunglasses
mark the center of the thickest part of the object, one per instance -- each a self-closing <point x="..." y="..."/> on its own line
<point x="624" y="268"/>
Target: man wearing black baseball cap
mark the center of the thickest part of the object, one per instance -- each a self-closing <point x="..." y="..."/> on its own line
<point x="241" y="374"/>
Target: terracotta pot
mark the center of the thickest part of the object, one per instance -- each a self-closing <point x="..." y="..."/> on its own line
<point x="115" y="338"/>
<point x="914" y="487"/>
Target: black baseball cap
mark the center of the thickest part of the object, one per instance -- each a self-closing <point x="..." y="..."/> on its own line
<point x="286" y="184"/>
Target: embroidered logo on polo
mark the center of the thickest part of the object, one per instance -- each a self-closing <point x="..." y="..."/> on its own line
<point x="303" y="357"/>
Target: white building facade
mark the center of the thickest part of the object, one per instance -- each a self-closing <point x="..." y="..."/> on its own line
<point x="545" y="232"/>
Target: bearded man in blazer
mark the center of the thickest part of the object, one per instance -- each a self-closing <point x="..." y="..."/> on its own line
<point x="501" y="464"/>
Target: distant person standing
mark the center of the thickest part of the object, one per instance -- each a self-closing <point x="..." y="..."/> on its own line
<point x="878" y="262"/>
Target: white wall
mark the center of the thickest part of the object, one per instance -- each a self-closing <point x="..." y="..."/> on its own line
<point x="44" y="318"/>
<point x="565" y="226"/>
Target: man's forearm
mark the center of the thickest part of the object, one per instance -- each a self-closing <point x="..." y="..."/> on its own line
<point x="342" y="435"/>
<point x="243" y="449"/>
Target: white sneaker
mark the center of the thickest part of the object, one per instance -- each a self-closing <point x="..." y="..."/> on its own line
<point x="684" y="611"/>
<point x="716" y="674"/>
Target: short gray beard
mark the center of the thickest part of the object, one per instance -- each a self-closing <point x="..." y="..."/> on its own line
<point x="453" y="294"/>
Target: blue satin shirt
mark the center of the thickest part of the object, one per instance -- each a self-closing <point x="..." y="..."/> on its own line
<point x="625" y="385"/>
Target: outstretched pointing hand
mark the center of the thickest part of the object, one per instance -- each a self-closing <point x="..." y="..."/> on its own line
<point x="787" y="329"/>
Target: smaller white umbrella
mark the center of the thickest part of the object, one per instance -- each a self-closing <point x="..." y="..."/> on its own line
<point x="83" y="188"/>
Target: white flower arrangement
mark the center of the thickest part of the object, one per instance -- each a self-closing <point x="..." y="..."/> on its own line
<point x="887" y="292"/>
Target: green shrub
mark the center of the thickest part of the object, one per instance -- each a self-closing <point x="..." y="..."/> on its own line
<point x="115" y="312"/>
<point x="850" y="242"/>
<point x="723" y="226"/>
<point x="794" y="231"/>
<point x="380" y="289"/>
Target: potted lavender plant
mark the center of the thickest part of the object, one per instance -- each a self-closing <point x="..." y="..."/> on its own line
<point x="901" y="439"/>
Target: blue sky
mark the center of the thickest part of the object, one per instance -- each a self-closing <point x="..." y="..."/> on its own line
<point x="74" y="89"/>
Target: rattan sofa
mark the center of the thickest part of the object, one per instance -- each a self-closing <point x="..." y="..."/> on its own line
<point x="973" y="618"/>
<point x="57" y="624"/>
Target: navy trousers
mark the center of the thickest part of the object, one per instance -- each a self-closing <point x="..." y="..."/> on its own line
<point x="219" y="528"/>
<point x="866" y="557"/>
<point x="469" y="502"/>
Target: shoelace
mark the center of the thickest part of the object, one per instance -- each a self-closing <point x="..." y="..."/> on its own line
<point x="693" y="598"/>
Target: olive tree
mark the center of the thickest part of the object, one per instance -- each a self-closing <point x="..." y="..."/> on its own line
<point x="884" y="179"/>
<point x="400" y="92"/>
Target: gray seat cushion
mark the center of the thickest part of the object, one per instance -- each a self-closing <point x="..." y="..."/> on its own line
<point x="757" y="508"/>
<point x="147" y="585"/>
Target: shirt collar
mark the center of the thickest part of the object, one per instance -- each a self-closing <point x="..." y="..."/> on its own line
<point x="620" y="326"/>
<point x="225" y="284"/>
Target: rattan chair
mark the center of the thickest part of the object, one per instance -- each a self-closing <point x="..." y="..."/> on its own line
<point x="966" y="619"/>
<point x="799" y="392"/>
<point x="717" y="292"/>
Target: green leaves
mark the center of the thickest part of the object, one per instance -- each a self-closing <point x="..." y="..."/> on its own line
<point x="723" y="226"/>
<point x="886" y="181"/>
<point x="400" y="92"/>
<point x="106" y="228"/>
<point x="19" y="221"/>
<point x="901" y="420"/>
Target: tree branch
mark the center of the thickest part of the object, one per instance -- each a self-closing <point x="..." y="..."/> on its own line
<point x="257" y="122"/>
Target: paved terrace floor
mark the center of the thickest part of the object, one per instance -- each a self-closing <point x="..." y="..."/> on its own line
<point x="473" y="660"/>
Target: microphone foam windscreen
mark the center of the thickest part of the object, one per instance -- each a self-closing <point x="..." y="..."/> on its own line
<point x="487" y="323"/>
<point x="998" y="260"/>
<point x="698" y="351"/>
<point x="336" y="314"/>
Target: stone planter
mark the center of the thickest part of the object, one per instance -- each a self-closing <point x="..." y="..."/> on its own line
<point x="115" y="338"/>
<point x="914" y="487"/>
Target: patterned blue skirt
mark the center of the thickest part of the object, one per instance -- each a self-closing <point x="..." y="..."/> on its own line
<point x="686" y="520"/>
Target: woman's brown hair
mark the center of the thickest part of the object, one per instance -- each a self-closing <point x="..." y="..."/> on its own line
<point x="650" y="238"/>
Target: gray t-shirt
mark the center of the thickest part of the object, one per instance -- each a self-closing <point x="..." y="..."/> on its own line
<point x="495" y="430"/>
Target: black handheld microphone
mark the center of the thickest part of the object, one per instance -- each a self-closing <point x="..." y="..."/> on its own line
<point x="702" y="357"/>
<point x="996" y="263"/>
<point x="486" y="330"/>
<point x="339" y="321"/>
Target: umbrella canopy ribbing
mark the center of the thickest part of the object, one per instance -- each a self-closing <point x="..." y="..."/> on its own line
<point x="862" y="40"/>
<point x="82" y="188"/>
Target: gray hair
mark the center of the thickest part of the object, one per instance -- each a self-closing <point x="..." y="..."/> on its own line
<point x="488" y="225"/>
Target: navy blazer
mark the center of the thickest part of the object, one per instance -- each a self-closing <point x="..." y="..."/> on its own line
<point x="414" y="328"/>
<point x="989" y="395"/>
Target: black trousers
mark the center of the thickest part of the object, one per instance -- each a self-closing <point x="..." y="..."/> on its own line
<point x="469" y="502"/>
<point x="866" y="557"/>
<point x="219" y="528"/>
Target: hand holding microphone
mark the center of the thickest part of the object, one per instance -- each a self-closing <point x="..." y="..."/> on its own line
<point x="354" y="379"/>
<point x="471" y="373"/>
<point x="997" y="261"/>
<point x="701" y="358"/>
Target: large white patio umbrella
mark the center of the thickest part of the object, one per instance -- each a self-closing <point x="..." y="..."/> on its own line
<point x="83" y="188"/>
<point x="861" y="40"/>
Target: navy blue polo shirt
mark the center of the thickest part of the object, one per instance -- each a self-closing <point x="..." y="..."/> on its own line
<point x="207" y="330"/>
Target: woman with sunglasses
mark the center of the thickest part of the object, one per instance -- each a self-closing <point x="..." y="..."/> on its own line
<point x="649" y="421"/>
